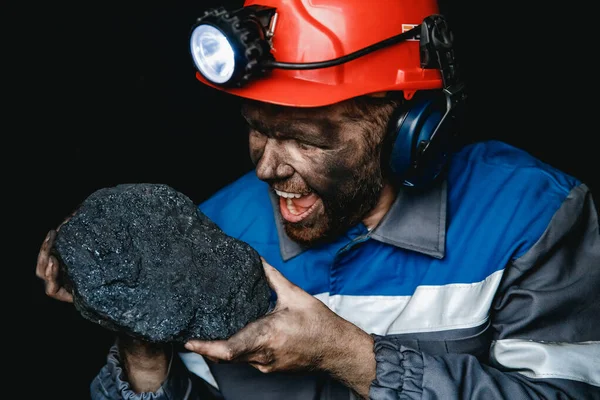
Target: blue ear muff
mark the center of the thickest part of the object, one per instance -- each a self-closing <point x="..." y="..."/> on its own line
<point x="420" y="139"/>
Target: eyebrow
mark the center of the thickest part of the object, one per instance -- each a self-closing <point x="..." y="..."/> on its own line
<point x="314" y="130"/>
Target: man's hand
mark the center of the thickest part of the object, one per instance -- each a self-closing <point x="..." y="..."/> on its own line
<point x="47" y="270"/>
<point x="301" y="333"/>
<point x="145" y="364"/>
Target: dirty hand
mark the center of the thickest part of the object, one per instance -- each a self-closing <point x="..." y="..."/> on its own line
<point x="47" y="270"/>
<point x="301" y="333"/>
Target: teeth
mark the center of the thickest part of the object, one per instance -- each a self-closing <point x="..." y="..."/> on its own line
<point x="287" y="195"/>
<point x="291" y="207"/>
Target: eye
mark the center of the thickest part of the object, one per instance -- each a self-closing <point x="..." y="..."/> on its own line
<point x="305" y="145"/>
<point x="254" y="132"/>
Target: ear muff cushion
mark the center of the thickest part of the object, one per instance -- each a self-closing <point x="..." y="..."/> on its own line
<point x="408" y="129"/>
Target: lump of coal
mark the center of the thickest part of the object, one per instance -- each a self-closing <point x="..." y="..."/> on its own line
<point x="144" y="260"/>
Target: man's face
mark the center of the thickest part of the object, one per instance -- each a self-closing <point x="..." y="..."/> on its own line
<point x="323" y="163"/>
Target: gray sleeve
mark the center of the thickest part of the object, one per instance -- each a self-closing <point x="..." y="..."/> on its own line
<point x="111" y="383"/>
<point x="545" y="323"/>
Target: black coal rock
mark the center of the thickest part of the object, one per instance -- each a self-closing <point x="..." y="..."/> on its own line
<point x="142" y="259"/>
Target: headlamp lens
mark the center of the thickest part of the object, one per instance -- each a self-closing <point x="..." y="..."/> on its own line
<point x="212" y="53"/>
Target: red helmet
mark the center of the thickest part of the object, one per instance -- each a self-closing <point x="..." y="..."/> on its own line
<point x="307" y="31"/>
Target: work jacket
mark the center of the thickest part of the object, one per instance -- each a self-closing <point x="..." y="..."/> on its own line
<point x="485" y="286"/>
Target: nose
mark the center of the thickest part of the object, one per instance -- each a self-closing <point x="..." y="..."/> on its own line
<point x="272" y="165"/>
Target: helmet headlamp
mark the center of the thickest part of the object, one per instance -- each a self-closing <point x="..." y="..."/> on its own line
<point x="231" y="47"/>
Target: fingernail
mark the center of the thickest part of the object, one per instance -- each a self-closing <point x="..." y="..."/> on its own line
<point x="189" y="346"/>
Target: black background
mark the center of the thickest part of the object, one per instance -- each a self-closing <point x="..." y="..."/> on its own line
<point x="115" y="100"/>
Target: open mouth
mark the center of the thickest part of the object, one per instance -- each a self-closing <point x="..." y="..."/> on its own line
<point x="295" y="207"/>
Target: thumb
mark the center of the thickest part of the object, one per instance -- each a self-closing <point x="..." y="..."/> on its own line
<point x="276" y="280"/>
<point x="214" y="350"/>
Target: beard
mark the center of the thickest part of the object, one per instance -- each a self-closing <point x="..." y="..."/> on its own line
<point x="343" y="207"/>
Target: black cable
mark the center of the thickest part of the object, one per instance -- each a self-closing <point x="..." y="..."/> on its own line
<point x="348" y="57"/>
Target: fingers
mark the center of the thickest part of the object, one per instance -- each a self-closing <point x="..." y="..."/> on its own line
<point x="214" y="350"/>
<point x="47" y="269"/>
<point x="44" y="255"/>
<point x="66" y="220"/>
<point x="239" y="347"/>
<point x="229" y="351"/>
<point x="53" y="288"/>
<point x="264" y="368"/>
<point x="276" y="280"/>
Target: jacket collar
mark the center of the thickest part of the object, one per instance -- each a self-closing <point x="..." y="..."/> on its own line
<point x="416" y="221"/>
